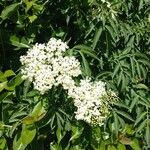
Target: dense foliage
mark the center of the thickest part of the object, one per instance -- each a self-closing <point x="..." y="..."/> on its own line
<point x="110" y="39"/>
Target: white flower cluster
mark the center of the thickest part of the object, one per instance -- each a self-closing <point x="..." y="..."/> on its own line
<point x="92" y="101"/>
<point x="45" y="65"/>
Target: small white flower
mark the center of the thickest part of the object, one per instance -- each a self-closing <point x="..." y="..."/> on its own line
<point x="45" y="65"/>
<point x="90" y="102"/>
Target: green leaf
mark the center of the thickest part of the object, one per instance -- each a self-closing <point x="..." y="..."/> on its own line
<point x="125" y="140"/>
<point x="60" y="34"/>
<point x="122" y="122"/>
<point x="129" y="129"/>
<point x="32" y="93"/>
<point x="18" y="79"/>
<point x="76" y="132"/>
<point x="102" y="146"/>
<point x="4" y="96"/>
<point x="144" y="101"/>
<point x="140" y="5"/>
<point x="60" y="134"/>
<point x="119" y="79"/>
<point x="147" y="136"/>
<point x="111" y="31"/>
<point x="9" y="73"/>
<point x="135" y="145"/>
<point x="124" y="81"/>
<point x="76" y="147"/>
<point x="67" y="147"/>
<point x="25" y="138"/>
<point x="17" y="145"/>
<point x="86" y="67"/>
<point x="144" y="62"/>
<point x="96" y="37"/>
<point x="81" y="46"/>
<point x="10" y="88"/>
<point x="143" y="71"/>
<point x="133" y="103"/>
<point x="15" y="81"/>
<point x="9" y="10"/>
<point x="29" y="5"/>
<point x="92" y="26"/>
<point x="37" y="114"/>
<point x="19" y="42"/>
<point x="3" y="144"/>
<point x="103" y="74"/>
<point x="2" y="78"/>
<point x="131" y="41"/>
<point x="141" y="86"/>
<point x="114" y="25"/>
<point x="117" y="67"/>
<point x="86" y="50"/>
<point x="26" y="87"/>
<point x="138" y="69"/>
<point x="1" y="73"/>
<point x="38" y="110"/>
<point x="28" y="120"/>
<point x="2" y="86"/>
<point x="90" y="53"/>
<point x="132" y="66"/>
<point x="124" y="114"/>
<point x="116" y="123"/>
<point x="111" y="147"/>
<point x="141" y="126"/>
<point x="139" y="118"/>
<point x="37" y="7"/>
<point x="32" y="18"/>
<point x="17" y="114"/>
<point x="141" y="55"/>
<point x="28" y="133"/>
<point x="91" y="1"/>
<point x="121" y="147"/>
<point x="54" y="146"/>
<point x="59" y="117"/>
<point x="121" y="104"/>
<point x="13" y="129"/>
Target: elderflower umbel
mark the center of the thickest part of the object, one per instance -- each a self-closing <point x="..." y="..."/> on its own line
<point x="45" y="65"/>
<point x="92" y="101"/>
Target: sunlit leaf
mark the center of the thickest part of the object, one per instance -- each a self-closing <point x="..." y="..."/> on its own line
<point x="111" y="147"/>
<point x="121" y="147"/>
<point x="3" y="144"/>
<point x="9" y="10"/>
<point x="28" y="133"/>
<point x="2" y="86"/>
<point x="19" y="42"/>
<point x="9" y="73"/>
<point x="135" y="145"/>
